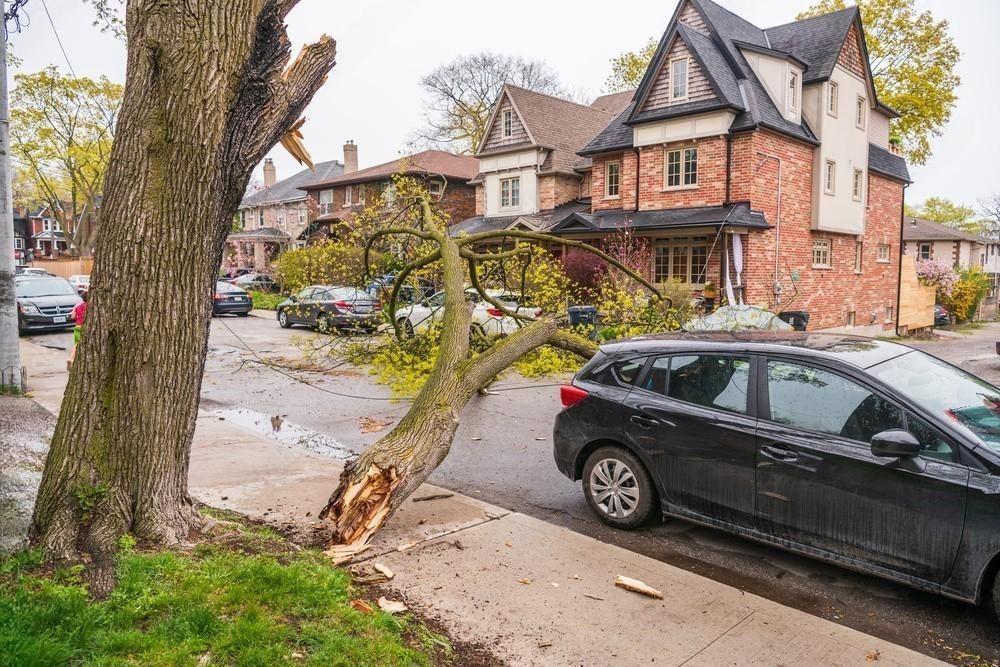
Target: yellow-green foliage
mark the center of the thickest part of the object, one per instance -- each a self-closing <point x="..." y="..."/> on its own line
<point x="402" y="365"/>
<point x="265" y="301"/>
<point x="966" y="293"/>
<point x="547" y="361"/>
<point x="634" y="312"/>
<point x="331" y="263"/>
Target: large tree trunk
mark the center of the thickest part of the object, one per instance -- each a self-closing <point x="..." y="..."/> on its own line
<point x="205" y="98"/>
<point x="374" y="485"/>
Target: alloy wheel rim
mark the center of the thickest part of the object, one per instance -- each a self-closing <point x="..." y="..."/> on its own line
<point x="614" y="488"/>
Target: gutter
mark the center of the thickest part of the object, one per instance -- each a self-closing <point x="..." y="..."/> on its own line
<point x="637" y="179"/>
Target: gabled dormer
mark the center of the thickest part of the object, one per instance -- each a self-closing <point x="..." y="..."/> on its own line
<point x="506" y="126"/>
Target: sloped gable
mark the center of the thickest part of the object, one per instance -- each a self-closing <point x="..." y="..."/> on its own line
<point x="690" y="17"/>
<point x="494" y="136"/>
<point x="699" y="87"/>
<point x="851" y="56"/>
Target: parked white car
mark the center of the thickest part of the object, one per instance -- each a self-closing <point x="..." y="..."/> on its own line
<point x="80" y="282"/>
<point x="490" y="320"/>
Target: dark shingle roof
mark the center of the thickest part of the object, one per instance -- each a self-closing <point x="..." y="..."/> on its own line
<point x="816" y="41"/>
<point x="736" y="215"/>
<point x="558" y="124"/>
<point x="543" y="221"/>
<point x="917" y="229"/>
<point x="888" y="164"/>
<point x="289" y="188"/>
<point x="615" y="137"/>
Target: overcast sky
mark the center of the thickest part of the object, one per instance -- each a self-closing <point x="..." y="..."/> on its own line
<point x="373" y="95"/>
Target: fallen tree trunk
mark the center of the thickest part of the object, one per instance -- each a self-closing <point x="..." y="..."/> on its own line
<point x="374" y="485"/>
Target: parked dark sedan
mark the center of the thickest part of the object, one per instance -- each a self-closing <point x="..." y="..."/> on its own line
<point x="862" y="452"/>
<point x="327" y="308"/>
<point x="230" y="300"/>
<point x="44" y="303"/>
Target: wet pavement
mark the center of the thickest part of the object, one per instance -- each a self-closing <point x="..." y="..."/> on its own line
<point x="502" y="454"/>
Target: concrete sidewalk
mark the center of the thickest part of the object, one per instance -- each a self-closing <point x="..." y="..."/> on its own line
<point x="534" y="593"/>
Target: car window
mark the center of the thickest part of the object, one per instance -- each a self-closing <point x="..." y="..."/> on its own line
<point x="932" y="444"/>
<point x="224" y="288"/>
<point x="619" y="373"/>
<point x="305" y="294"/>
<point x="814" y="399"/>
<point x="436" y="300"/>
<point x="714" y="381"/>
<point x="39" y="287"/>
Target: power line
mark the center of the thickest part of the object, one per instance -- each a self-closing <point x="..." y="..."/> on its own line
<point x="58" y="40"/>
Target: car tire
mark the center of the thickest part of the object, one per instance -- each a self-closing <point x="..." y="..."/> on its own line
<point x="995" y="597"/>
<point x="407" y="328"/>
<point x="618" y="488"/>
<point x="323" y="324"/>
<point x="283" y="320"/>
<point x="242" y="314"/>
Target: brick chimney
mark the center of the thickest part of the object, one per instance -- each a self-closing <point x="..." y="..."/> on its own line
<point x="270" y="173"/>
<point x="350" y="157"/>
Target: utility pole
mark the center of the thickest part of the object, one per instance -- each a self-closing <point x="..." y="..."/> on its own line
<point x="10" y="351"/>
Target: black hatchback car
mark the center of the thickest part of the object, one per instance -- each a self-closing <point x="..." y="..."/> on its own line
<point x="863" y="452"/>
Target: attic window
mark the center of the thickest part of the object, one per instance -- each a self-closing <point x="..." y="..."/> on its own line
<point x="793" y="91"/>
<point x="862" y="113"/>
<point x="508" y="123"/>
<point x="678" y="78"/>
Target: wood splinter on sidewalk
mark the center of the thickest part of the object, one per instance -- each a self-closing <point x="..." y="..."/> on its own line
<point x="637" y="586"/>
<point x="433" y="496"/>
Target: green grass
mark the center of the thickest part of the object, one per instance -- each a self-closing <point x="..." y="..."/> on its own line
<point x="215" y="605"/>
<point x="265" y="301"/>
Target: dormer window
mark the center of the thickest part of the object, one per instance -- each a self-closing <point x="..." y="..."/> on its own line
<point x="508" y="123"/>
<point x="862" y="113"/>
<point x="678" y="79"/>
<point x="793" y="91"/>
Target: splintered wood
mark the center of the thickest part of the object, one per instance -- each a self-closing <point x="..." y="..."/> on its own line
<point x="637" y="586"/>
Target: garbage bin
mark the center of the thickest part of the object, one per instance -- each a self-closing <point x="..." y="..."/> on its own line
<point x="582" y="315"/>
<point x="799" y="319"/>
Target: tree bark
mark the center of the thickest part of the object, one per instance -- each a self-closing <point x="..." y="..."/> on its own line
<point x="374" y="485"/>
<point x="206" y="96"/>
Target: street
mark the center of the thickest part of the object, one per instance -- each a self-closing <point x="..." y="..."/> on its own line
<point x="502" y="455"/>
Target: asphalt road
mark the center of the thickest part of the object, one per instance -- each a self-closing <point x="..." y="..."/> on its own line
<point x="502" y="454"/>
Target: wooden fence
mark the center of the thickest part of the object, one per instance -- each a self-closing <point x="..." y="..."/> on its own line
<point x="916" y="301"/>
<point x="65" y="267"/>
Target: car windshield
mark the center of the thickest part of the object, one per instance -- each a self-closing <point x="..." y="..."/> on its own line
<point x="43" y="287"/>
<point x="222" y="287"/>
<point x="972" y="403"/>
<point x="346" y="294"/>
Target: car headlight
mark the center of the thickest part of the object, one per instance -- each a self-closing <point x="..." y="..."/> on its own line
<point x="28" y="309"/>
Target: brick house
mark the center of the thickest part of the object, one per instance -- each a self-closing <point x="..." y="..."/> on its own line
<point x="23" y="251"/>
<point x="338" y="199"/>
<point x="530" y="176"/>
<point x="48" y="240"/>
<point x="760" y="149"/>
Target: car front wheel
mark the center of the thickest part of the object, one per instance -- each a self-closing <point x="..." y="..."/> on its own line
<point x="283" y="320"/>
<point x="618" y="488"/>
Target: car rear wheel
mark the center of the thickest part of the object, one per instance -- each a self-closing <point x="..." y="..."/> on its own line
<point x="407" y="328"/>
<point x="996" y="596"/>
<point x="283" y="319"/>
<point x="323" y="324"/>
<point x="618" y="488"/>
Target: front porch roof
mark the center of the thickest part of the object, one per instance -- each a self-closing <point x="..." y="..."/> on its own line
<point x="542" y="221"/>
<point x="49" y="236"/>
<point x="733" y="215"/>
<point x="263" y="234"/>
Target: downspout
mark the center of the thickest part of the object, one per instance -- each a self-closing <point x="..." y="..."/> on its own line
<point x="729" y="165"/>
<point x="724" y="258"/>
<point x="899" y="260"/>
<point x="637" y="177"/>
<point x="777" y="229"/>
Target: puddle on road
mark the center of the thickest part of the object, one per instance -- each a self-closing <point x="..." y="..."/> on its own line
<point x="287" y="434"/>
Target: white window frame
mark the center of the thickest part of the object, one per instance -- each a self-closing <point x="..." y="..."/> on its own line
<point x="858" y="185"/>
<point x="361" y="195"/>
<point x="823" y="260"/>
<point x="608" y="194"/>
<point x="325" y="206"/>
<point x="884" y="253"/>
<point x="859" y="256"/>
<point x="511" y="199"/>
<point x="830" y="177"/>
<point x="833" y="98"/>
<point x="279" y="217"/>
<point x="434" y="187"/>
<point x="930" y="250"/>
<point x="348" y="196"/>
<point x="673" y="83"/>
<point x="507" y="123"/>
<point x="302" y="213"/>
<point x="687" y="245"/>
<point x="46" y="225"/>
<point x="683" y="159"/>
<point x="861" y="113"/>
<point x="890" y="312"/>
<point x="793" y="90"/>
<point x="18" y="243"/>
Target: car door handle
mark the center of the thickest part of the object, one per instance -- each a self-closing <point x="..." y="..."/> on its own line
<point x="778" y="453"/>
<point x="642" y="421"/>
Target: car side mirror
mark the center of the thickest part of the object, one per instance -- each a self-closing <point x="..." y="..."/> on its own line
<point x="293" y="298"/>
<point x="425" y="303"/>
<point x="896" y="444"/>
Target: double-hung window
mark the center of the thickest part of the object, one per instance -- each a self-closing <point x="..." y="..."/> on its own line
<point x="510" y="192"/>
<point x="508" y="123"/>
<point x="349" y="195"/>
<point x="925" y="251"/>
<point x="883" y="253"/>
<point x="682" y="168"/>
<point x="833" y="98"/>
<point x="830" y="177"/>
<point x="861" y="115"/>
<point x="18" y="243"/>
<point x="858" y="185"/>
<point x="678" y="79"/>
<point x="612" y="179"/>
<point x="325" y="201"/>
<point x="279" y="217"/>
<point x="821" y="253"/>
